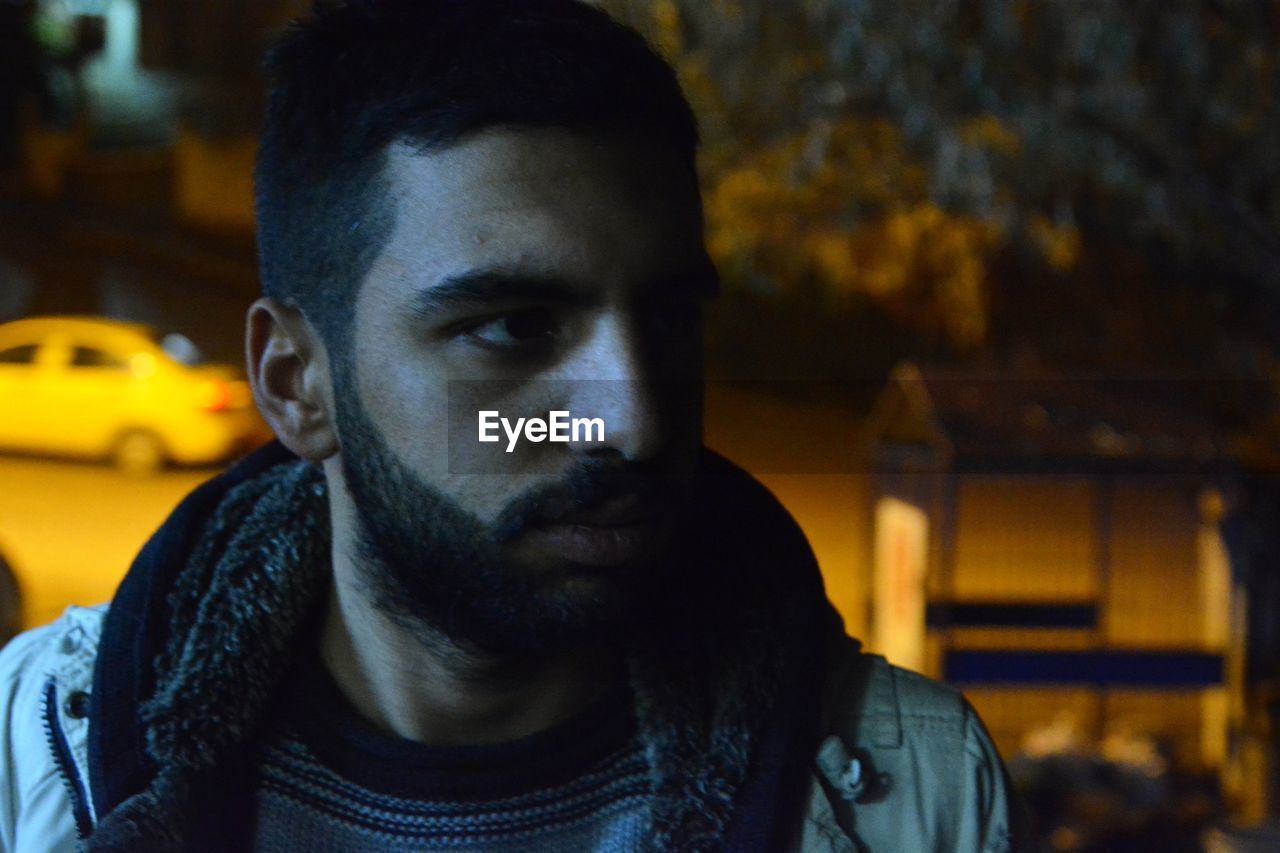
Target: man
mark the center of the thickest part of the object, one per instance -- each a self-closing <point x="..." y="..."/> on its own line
<point x="386" y="633"/>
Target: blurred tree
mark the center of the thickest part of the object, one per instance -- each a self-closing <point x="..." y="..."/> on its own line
<point x="1153" y="120"/>
<point x="806" y="190"/>
<point x="1002" y="168"/>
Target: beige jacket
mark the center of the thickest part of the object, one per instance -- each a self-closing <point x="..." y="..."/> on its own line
<point x="906" y="764"/>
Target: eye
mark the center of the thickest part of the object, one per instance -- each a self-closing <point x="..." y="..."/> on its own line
<point x="527" y="329"/>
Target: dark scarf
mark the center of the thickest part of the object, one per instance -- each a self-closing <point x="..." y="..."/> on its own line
<point x="203" y="629"/>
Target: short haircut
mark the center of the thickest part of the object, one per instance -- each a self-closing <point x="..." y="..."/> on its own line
<point x="360" y="75"/>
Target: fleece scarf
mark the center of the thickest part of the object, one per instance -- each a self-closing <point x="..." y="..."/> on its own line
<point x="726" y="687"/>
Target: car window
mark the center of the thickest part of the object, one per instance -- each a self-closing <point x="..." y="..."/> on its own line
<point x="19" y="355"/>
<point x="90" y="357"/>
<point x="181" y="349"/>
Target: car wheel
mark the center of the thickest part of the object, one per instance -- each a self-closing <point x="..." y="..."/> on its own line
<point x="138" y="453"/>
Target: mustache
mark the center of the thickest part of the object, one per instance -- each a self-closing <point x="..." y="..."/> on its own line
<point x="588" y="485"/>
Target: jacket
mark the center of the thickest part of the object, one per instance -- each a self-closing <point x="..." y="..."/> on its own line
<point x="109" y="740"/>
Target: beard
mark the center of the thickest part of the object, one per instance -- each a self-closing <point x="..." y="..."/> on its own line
<point x="437" y="570"/>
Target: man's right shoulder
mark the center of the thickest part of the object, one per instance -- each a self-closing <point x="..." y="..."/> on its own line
<point x="69" y="644"/>
<point x="39" y="669"/>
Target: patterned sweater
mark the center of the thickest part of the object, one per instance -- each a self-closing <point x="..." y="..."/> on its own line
<point x="329" y="781"/>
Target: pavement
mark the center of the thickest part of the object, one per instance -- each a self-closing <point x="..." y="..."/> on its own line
<point x="71" y="529"/>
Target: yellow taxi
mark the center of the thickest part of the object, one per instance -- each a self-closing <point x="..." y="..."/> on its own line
<point x="99" y="388"/>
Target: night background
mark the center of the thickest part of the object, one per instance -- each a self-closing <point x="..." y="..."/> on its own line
<point x="1000" y="326"/>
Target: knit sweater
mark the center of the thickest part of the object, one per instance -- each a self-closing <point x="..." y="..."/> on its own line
<point x="329" y="780"/>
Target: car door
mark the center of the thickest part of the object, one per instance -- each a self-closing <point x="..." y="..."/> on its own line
<point x="89" y="396"/>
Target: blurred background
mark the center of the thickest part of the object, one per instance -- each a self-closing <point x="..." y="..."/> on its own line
<point x="1001" y="327"/>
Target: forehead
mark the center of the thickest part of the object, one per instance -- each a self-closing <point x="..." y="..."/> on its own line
<point x="550" y="201"/>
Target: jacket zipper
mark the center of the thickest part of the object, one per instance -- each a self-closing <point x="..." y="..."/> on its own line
<point x="66" y="764"/>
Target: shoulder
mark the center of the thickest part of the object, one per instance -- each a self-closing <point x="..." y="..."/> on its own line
<point x="870" y="701"/>
<point x="921" y="748"/>
<point x="41" y="663"/>
<point x="866" y="687"/>
<point x="63" y="647"/>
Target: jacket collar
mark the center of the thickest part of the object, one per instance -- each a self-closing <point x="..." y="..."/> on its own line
<point x="727" y="704"/>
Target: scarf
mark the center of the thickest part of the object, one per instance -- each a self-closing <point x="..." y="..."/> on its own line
<point x="725" y="692"/>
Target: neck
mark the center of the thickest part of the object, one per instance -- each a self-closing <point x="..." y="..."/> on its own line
<point x="428" y="689"/>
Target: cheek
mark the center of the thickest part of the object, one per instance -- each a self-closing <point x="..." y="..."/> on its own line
<point x="409" y="405"/>
<point x="486" y="476"/>
<point x="430" y="423"/>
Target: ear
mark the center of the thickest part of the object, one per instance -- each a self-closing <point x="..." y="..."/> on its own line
<point x="289" y="371"/>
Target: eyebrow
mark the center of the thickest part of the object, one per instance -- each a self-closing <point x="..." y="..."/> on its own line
<point x="485" y="287"/>
<point x="480" y="288"/>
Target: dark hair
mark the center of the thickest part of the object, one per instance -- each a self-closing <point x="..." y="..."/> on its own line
<point x="357" y="76"/>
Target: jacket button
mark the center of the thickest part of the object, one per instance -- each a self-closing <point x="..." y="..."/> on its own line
<point x="77" y="705"/>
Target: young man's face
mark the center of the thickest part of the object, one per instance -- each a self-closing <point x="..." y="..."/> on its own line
<point x="528" y="271"/>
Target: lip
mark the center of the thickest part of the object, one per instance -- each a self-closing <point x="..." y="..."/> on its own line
<point x="617" y="513"/>
<point x="602" y="545"/>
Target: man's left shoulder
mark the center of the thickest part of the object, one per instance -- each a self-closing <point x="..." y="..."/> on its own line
<point x="927" y="705"/>
<point x="863" y="686"/>
<point x="928" y="775"/>
<point x="875" y="703"/>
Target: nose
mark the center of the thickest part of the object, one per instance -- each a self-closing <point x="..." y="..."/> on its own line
<point x="610" y="378"/>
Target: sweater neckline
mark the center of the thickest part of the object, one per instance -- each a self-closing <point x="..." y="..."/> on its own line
<point x="315" y="710"/>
